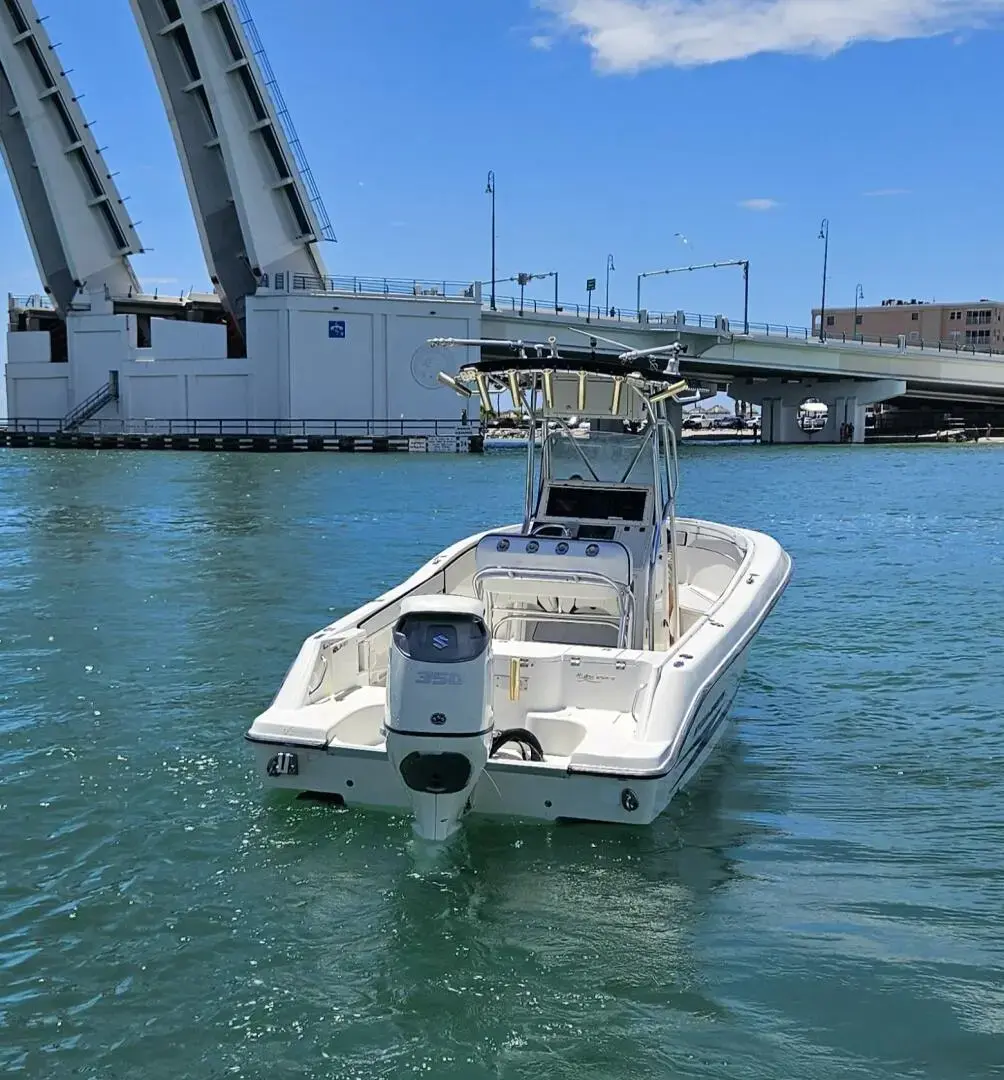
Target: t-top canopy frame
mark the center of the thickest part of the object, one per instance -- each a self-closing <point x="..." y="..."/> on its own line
<point x="534" y="377"/>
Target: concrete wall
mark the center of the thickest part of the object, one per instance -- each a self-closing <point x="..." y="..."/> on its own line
<point x="358" y="357"/>
<point x="29" y="347"/>
<point x="187" y="390"/>
<point x="41" y="391"/>
<point x="172" y="339"/>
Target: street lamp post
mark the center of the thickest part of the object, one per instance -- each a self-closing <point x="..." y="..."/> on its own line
<point x="490" y="190"/>
<point x="824" y="235"/>
<point x="859" y="294"/>
<point x="610" y="266"/>
<point x="746" y="297"/>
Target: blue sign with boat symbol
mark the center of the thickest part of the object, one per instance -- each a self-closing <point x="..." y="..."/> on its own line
<point x="336" y="328"/>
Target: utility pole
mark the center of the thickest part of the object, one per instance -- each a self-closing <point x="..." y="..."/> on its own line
<point x="610" y="266"/>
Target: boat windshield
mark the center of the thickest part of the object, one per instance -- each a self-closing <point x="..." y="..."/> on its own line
<point x="609" y="457"/>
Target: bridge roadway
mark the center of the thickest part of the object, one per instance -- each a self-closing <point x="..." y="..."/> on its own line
<point x="776" y="372"/>
<point x="718" y="352"/>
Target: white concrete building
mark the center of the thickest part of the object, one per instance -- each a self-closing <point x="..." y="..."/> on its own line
<point x="313" y="359"/>
<point x="280" y="341"/>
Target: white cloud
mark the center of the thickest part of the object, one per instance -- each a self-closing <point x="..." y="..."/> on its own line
<point x="632" y="35"/>
<point x="885" y="193"/>
<point x="760" y="204"/>
<point x="541" y="42"/>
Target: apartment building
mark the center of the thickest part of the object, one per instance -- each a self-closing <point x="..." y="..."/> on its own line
<point x="975" y="324"/>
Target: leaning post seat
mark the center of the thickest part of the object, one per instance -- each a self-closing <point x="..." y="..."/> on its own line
<point x="541" y="579"/>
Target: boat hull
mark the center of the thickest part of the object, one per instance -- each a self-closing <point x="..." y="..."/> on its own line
<point x="366" y="778"/>
<point x="679" y="706"/>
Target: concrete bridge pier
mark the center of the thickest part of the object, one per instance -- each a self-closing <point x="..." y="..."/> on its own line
<point x="845" y="399"/>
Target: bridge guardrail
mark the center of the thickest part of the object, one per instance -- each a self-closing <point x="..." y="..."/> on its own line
<point x="372" y="286"/>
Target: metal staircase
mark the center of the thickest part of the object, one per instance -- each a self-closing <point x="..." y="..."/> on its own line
<point x="101" y="397"/>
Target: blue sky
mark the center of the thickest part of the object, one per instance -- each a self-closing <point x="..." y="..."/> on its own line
<point x="611" y="125"/>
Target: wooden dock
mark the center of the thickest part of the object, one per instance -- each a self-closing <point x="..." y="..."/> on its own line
<point x="469" y="442"/>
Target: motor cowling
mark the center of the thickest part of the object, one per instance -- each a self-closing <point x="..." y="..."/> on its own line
<point x="439" y="718"/>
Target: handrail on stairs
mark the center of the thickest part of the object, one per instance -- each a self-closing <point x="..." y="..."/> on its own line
<point x="101" y="397"/>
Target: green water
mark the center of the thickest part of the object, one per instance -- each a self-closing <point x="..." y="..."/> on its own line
<point x="828" y="901"/>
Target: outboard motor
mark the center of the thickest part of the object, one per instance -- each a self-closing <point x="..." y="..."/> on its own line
<point x="439" y="715"/>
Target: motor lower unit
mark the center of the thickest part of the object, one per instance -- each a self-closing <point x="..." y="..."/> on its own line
<point x="439" y="714"/>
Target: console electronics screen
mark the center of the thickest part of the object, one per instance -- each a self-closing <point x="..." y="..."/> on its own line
<point x="602" y="504"/>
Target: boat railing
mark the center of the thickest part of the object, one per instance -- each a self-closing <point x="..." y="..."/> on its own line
<point x="592" y="617"/>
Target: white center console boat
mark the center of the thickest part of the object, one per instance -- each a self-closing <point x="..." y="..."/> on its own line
<point x="580" y="664"/>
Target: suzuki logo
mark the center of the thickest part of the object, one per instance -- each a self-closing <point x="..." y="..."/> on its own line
<point x="441" y="641"/>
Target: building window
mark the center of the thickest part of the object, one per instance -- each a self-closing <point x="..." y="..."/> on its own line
<point x="915" y="335"/>
<point x="979" y="317"/>
<point x="915" y="316"/>
<point x="977" y="337"/>
<point x="831" y="320"/>
<point x="859" y="320"/>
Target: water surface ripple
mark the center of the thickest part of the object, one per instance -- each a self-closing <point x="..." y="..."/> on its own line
<point x="827" y="901"/>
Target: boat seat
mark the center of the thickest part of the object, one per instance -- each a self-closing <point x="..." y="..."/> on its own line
<point x="694" y="598"/>
<point x="713" y="578"/>
<point x="595" y="736"/>
<point x="612" y="741"/>
<point x="573" y="631"/>
<point x="355" y="717"/>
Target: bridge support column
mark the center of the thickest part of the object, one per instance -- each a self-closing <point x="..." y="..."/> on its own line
<point x="845" y="399"/>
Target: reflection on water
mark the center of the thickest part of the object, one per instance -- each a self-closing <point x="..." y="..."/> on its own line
<point x="823" y="903"/>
